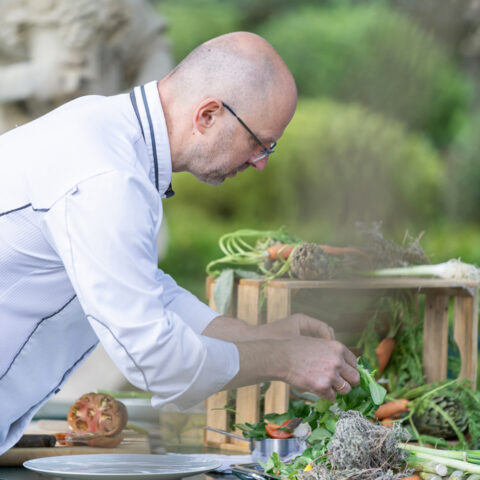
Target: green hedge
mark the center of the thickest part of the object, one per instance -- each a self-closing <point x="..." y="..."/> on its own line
<point x="339" y="163"/>
<point x="375" y="56"/>
<point x="336" y="164"/>
<point x="194" y="22"/>
<point x="462" y="193"/>
<point x="445" y="240"/>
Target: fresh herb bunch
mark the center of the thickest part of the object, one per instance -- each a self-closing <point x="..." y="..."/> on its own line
<point x="405" y="369"/>
<point x="247" y="249"/>
<point x="425" y="398"/>
<point x="322" y="416"/>
<point x="246" y="256"/>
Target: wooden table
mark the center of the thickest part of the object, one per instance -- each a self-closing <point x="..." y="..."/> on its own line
<point x="440" y="296"/>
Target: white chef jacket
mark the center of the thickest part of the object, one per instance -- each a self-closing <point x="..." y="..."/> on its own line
<point x="81" y="193"/>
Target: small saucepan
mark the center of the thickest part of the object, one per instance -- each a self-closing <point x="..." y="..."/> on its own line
<point x="286" y="448"/>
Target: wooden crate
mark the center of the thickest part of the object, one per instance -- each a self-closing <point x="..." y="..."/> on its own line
<point x="282" y="300"/>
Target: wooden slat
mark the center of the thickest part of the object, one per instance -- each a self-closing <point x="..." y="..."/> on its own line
<point x="278" y="306"/>
<point x="248" y="398"/>
<point x="465" y="334"/>
<point x="215" y="418"/>
<point x="435" y="337"/>
<point x="456" y="287"/>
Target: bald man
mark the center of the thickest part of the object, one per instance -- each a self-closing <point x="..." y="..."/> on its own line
<point x="81" y="193"/>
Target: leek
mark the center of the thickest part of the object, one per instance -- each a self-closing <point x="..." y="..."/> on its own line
<point x="466" y="461"/>
<point x="451" y="270"/>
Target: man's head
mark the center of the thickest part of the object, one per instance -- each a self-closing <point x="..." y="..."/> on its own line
<point x="226" y="102"/>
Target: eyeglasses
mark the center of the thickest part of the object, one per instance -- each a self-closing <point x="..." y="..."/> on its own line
<point x="266" y="151"/>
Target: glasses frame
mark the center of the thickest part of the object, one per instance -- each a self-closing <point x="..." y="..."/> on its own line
<point x="266" y="150"/>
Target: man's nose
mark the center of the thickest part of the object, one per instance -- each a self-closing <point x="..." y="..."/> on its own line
<point x="260" y="164"/>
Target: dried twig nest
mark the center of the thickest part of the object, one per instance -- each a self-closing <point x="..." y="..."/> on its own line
<point x="309" y="262"/>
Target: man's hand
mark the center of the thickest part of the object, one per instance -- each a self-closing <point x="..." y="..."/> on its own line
<point x="295" y="325"/>
<point x="299" y="350"/>
<point x="323" y="367"/>
<point x="234" y="330"/>
<point x="316" y="365"/>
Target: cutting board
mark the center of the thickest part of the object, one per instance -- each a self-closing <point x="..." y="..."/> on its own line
<point x="133" y="442"/>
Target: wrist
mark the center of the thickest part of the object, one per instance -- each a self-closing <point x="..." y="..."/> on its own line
<point x="229" y="329"/>
<point x="260" y="361"/>
<point x="272" y="358"/>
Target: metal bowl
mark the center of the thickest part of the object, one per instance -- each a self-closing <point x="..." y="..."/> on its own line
<point x="286" y="448"/>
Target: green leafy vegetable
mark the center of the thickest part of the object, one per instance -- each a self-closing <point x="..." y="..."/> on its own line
<point x="222" y="291"/>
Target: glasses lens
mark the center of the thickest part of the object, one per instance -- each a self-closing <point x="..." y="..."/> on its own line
<point x="265" y="153"/>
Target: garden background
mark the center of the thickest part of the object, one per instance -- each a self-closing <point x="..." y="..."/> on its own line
<point x="386" y="128"/>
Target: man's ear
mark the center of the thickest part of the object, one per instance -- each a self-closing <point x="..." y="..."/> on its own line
<point x="206" y="114"/>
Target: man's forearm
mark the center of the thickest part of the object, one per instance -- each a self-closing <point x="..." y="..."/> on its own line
<point x="259" y="362"/>
<point x="298" y="350"/>
<point x="231" y="330"/>
<point x="234" y="330"/>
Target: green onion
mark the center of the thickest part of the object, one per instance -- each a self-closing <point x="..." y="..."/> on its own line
<point x="466" y="461"/>
<point x="453" y="270"/>
<point x="472" y="456"/>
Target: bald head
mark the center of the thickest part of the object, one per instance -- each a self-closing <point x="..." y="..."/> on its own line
<point x="241" y="68"/>
<point x="235" y="75"/>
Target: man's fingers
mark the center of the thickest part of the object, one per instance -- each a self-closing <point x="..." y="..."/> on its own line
<point x="330" y="394"/>
<point x="350" y="374"/>
<point x="341" y="386"/>
<point x="332" y="333"/>
<point x="313" y="327"/>
<point x="350" y="358"/>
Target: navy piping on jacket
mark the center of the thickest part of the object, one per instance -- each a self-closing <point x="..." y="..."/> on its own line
<point x="152" y="134"/>
<point x="169" y="192"/>
<point x="57" y="389"/>
<point x="22" y="208"/>
<point x="124" y="348"/>
<point x="32" y="332"/>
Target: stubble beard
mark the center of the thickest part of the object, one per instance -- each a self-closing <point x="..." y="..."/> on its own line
<point x="204" y="157"/>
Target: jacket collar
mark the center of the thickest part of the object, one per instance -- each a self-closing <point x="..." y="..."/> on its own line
<point x="148" y="109"/>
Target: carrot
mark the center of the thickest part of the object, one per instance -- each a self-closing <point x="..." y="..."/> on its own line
<point x="384" y="351"/>
<point x="338" y="251"/>
<point x="387" y="422"/>
<point x="391" y="408"/>
<point x="412" y="477"/>
<point x="280" y="250"/>
<point x="283" y="250"/>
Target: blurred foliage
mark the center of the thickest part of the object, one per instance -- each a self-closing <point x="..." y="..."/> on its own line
<point x="337" y="162"/>
<point x="462" y="201"/>
<point x="193" y="241"/>
<point x="340" y="162"/>
<point x="335" y="165"/>
<point x="377" y="57"/>
<point x="192" y="22"/>
<point x="360" y="51"/>
<point x="446" y="239"/>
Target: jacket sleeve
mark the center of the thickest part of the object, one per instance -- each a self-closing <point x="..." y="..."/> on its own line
<point x="185" y="304"/>
<point x="104" y="231"/>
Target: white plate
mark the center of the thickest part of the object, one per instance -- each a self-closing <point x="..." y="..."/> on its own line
<point x="122" y="466"/>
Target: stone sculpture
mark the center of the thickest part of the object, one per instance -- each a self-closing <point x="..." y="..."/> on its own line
<point x="52" y="51"/>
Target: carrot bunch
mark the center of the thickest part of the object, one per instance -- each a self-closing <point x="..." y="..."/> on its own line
<point x="392" y="410"/>
<point x="283" y="251"/>
<point x="384" y="352"/>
